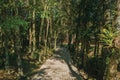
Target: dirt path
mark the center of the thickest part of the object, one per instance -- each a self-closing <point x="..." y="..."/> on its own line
<point x="58" y="67"/>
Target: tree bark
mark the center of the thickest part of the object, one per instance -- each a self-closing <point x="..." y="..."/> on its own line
<point x="33" y="27"/>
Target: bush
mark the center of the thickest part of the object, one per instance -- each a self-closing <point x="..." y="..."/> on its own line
<point x="95" y="67"/>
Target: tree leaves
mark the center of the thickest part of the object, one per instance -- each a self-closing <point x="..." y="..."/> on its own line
<point x="107" y="36"/>
<point x="14" y="23"/>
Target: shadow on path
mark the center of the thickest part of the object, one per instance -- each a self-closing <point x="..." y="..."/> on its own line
<point x="64" y="55"/>
<point x="58" y="67"/>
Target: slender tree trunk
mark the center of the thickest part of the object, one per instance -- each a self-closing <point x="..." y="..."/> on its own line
<point x="118" y="14"/>
<point x="18" y="52"/>
<point x="50" y="33"/>
<point x="30" y="40"/>
<point x="77" y="40"/>
<point x="95" y="47"/>
<point x="1" y="40"/>
<point x="47" y="31"/>
<point x="33" y="27"/>
<point x="17" y="45"/>
<point x="41" y="31"/>
<point x="83" y="51"/>
<point x="69" y="41"/>
<point x="55" y="40"/>
<point x="6" y="51"/>
<point x="30" y="31"/>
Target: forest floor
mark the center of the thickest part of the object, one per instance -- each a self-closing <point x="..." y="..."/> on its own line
<point x="58" y="67"/>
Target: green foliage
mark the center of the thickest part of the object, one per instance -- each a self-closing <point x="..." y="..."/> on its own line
<point x="107" y="36"/>
<point x="80" y="20"/>
<point x="45" y="14"/>
<point x="107" y="60"/>
<point x="14" y="23"/>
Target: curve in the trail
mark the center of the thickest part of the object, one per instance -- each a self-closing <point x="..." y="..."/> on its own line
<point x="58" y="67"/>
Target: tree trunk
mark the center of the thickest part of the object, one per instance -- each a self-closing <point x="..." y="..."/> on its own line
<point x="18" y="52"/>
<point x="6" y="51"/>
<point x="33" y="27"/>
<point x="55" y="40"/>
<point x="47" y="31"/>
<point x="118" y="15"/>
<point x="41" y="31"/>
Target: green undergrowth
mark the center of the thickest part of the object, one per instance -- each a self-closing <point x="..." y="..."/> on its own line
<point x="29" y="64"/>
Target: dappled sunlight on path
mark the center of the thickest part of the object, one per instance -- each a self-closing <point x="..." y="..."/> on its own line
<point x="58" y="67"/>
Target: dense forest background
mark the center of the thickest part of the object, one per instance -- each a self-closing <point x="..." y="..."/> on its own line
<point x="30" y="31"/>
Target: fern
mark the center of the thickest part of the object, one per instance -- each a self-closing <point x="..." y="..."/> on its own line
<point x="107" y="35"/>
